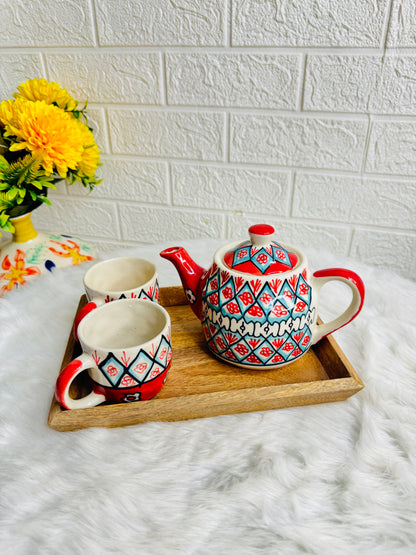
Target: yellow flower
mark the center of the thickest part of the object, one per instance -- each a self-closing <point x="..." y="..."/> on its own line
<point x="91" y="153"/>
<point x="51" y="135"/>
<point x="50" y="92"/>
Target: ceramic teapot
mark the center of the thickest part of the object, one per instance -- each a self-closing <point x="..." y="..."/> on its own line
<point x="258" y="303"/>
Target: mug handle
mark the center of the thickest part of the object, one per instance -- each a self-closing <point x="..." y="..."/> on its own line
<point x="319" y="279"/>
<point x="83" y="312"/>
<point x="65" y="379"/>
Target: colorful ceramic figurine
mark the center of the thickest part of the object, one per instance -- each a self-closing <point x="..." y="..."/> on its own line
<point x="258" y="303"/>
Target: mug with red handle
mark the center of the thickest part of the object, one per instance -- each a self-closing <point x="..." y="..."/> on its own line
<point x="126" y="350"/>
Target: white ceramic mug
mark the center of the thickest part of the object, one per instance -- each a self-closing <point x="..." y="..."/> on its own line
<point x="126" y="350"/>
<point x="126" y="277"/>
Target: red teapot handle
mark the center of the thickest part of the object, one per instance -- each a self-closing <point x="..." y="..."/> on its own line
<point x="350" y="278"/>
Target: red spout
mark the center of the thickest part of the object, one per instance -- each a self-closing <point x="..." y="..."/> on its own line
<point x="190" y="274"/>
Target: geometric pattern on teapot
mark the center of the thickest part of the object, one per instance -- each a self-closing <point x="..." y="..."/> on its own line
<point x="254" y="322"/>
<point x="260" y="257"/>
<point x="133" y="371"/>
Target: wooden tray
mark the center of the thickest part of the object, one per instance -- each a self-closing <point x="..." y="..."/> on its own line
<point x="199" y="385"/>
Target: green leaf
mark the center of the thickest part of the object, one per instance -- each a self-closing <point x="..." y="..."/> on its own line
<point x="4" y="164"/>
<point x="5" y="223"/>
<point x="12" y="193"/>
<point x="4" y="202"/>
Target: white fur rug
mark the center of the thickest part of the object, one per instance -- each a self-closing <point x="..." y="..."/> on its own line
<point x="338" y="478"/>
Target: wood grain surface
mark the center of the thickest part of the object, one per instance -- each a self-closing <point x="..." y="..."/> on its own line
<point x="199" y="385"/>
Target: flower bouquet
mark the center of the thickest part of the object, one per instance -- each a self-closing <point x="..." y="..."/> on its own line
<point x="44" y="139"/>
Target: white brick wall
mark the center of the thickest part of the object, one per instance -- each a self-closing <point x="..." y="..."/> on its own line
<point x="215" y="114"/>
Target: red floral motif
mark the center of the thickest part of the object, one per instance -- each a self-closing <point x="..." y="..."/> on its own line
<point x="296" y="352"/>
<point x="246" y="298"/>
<point x="280" y="255"/>
<point x="288" y="346"/>
<point x="303" y="289"/>
<point x="213" y="299"/>
<point x="262" y="258"/>
<point x="127" y="381"/>
<point x="227" y="292"/>
<point x="241" y="349"/>
<point x="253" y="358"/>
<point x="306" y="340"/>
<point x="169" y="357"/>
<point x="266" y="351"/>
<point x="212" y="329"/>
<point x="253" y="343"/>
<point x="230" y="354"/>
<point x="255" y="311"/>
<point x="289" y="295"/>
<point x="15" y="275"/>
<point x="266" y="299"/>
<point x="214" y="284"/>
<point x="154" y="372"/>
<point x="277" y="358"/>
<point x="220" y="343"/>
<point x="279" y="311"/>
<point x="242" y="253"/>
<point x="206" y="332"/>
<point x="300" y="306"/>
<point x="111" y="370"/>
<point x="163" y="353"/>
<point x="142" y="367"/>
<point x="233" y="308"/>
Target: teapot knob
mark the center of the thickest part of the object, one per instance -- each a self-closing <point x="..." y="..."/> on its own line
<point x="261" y="234"/>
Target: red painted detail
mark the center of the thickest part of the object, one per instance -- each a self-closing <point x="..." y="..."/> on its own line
<point x="253" y="343"/>
<point x="350" y="276"/>
<point x="275" y="284"/>
<point x="142" y="392"/>
<point x="277" y="343"/>
<point x="253" y="358"/>
<point x="249" y="268"/>
<point x="64" y="380"/>
<point x="230" y="354"/>
<point x="255" y="285"/>
<point x="81" y="314"/>
<point x="262" y="229"/>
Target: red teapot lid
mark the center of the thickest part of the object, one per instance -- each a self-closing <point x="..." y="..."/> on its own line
<point x="261" y="255"/>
